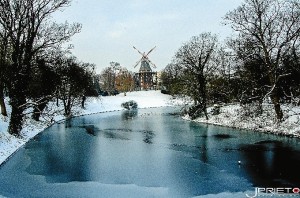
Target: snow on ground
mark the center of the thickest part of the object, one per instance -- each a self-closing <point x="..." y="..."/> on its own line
<point x="145" y="99"/>
<point x="240" y="117"/>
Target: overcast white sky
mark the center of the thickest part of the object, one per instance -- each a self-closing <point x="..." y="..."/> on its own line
<point x="112" y="27"/>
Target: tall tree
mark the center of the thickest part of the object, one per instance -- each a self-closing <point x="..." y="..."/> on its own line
<point x="75" y="80"/>
<point x="30" y="31"/>
<point x="197" y="59"/>
<point x="251" y="73"/>
<point x="290" y="87"/>
<point x="273" y="28"/>
<point x="42" y="86"/>
<point x="220" y="87"/>
<point x="124" y="80"/>
<point x="107" y="80"/>
<point x="171" y="78"/>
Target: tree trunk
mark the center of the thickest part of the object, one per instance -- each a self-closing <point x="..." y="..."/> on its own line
<point x="68" y="112"/>
<point x="3" y="107"/>
<point x="2" y="104"/>
<point x="204" y="101"/>
<point x="205" y="111"/>
<point x="275" y="97"/>
<point x="275" y="101"/>
<point x="67" y="106"/>
<point x="202" y="84"/>
<point x="16" y="118"/>
<point x="17" y="94"/>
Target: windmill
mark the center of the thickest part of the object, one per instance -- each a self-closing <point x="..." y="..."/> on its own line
<point x="145" y="61"/>
<point x="144" y="78"/>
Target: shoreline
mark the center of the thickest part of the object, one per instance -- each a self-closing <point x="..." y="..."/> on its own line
<point x="10" y="144"/>
<point x="229" y="117"/>
<point x="281" y="134"/>
<point x="61" y="122"/>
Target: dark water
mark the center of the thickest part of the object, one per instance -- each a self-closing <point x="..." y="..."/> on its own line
<point x="148" y="153"/>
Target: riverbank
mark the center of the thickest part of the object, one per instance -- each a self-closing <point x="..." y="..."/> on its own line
<point x="236" y="116"/>
<point x="230" y="116"/>
<point x="10" y="144"/>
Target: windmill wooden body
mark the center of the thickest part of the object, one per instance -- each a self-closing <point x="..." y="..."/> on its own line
<point x="145" y="78"/>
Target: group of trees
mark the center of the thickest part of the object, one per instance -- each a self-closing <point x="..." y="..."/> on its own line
<point x="116" y="78"/>
<point x="35" y="64"/>
<point x="260" y="63"/>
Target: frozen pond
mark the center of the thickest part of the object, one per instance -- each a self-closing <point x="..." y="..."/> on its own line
<point x="148" y="153"/>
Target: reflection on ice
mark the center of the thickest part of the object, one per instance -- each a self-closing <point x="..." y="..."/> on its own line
<point x="90" y="129"/>
<point x="129" y="114"/>
<point x="114" y="135"/>
<point x="148" y="136"/>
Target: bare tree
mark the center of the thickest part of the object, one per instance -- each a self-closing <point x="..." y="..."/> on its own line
<point x="30" y="31"/>
<point x="107" y="80"/>
<point x="124" y="80"/>
<point x="197" y="59"/>
<point x="75" y="80"/>
<point x="171" y="78"/>
<point x="273" y="29"/>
